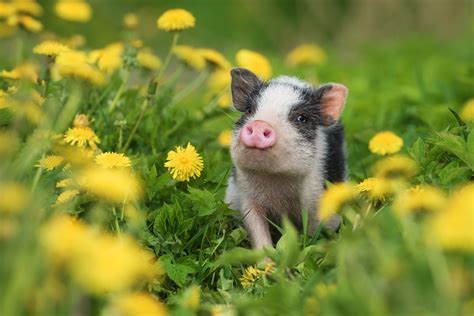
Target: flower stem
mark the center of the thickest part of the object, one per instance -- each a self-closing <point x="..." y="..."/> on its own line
<point x="119" y="92"/>
<point x="37" y="177"/>
<point x="47" y="77"/>
<point x="168" y="57"/>
<point x="145" y="105"/>
<point x="190" y="88"/>
<point x="116" y="222"/>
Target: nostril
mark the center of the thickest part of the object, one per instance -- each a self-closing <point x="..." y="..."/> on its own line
<point x="267" y="133"/>
<point x="249" y="130"/>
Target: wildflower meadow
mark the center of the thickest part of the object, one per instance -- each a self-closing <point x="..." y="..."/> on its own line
<point x="114" y="160"/>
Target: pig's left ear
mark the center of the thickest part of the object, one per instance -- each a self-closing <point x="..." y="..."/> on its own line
<point x="332" y="97"/>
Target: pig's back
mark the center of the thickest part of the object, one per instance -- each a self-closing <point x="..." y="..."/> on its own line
<point x="335" y="162"/>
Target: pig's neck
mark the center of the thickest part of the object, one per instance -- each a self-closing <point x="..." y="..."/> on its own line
<point x="279" y="194"/>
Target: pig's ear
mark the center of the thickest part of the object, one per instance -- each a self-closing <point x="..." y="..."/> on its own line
<point x="332" y="99"/>
<point x="243" y="83"/>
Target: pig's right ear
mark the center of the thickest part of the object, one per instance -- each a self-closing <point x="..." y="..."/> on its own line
<point x="243" y="83"/>
<point x="332" y="98"/>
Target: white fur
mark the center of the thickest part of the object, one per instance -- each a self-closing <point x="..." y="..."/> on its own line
<point x="291" y="81"/>
<point x="275" y="101"/>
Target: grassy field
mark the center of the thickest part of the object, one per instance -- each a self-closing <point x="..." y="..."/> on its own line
<point x="92" y="222"/>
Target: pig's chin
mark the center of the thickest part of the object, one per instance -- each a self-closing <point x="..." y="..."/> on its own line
<point x="258" y="160"/>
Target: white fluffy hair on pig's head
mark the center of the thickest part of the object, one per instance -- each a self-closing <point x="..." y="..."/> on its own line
<point x="282" y="128"/>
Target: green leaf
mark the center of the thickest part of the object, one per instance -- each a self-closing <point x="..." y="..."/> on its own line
<point x="239" y="255"/>
<point x="470" y="146"/>
<point x="417" y="150"/>
<point x="175" y="271"/>
<point x="204" y="202"/>
<point x="457" y="146"/>
<point x="458" y="118"/>
<point x="288" y="247"/>
<point x="167" y="219"/>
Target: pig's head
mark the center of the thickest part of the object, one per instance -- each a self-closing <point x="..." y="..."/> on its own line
<point x="281" y="130"/>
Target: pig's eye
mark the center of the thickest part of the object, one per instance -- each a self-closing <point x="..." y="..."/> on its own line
<point x="301" y="118"/>
<point x="248" y="110"/>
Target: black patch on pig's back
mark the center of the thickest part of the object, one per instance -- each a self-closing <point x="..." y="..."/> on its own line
<point x="335" y="161"/>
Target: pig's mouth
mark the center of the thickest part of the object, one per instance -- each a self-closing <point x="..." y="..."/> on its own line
<point x="254" y="149"/>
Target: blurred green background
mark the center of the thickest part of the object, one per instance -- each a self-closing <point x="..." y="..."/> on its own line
<point x="275" y="26"/>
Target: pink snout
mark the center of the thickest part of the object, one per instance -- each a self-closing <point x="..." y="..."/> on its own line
<point x="258" y="134"/>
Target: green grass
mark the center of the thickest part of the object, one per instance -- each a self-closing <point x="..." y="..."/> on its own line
<point x="381" y="267"/>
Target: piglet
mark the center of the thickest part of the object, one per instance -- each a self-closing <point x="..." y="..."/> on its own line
<point x="286" y="144"/>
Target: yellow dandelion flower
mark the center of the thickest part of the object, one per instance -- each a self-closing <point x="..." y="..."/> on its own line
<point x="334" y="199"/>
<point x="76" y="156"/>
<point x="75" y="64"/>
<point x="269" y="268"/>
<point x="110" y="58"/>
<point x="190" y="56"/>
<point x="222" y="310"/>
<point x="36" y="98"/>
<point x="130" y="20"/>
<point x="50" y="48"/>
<point x="219" y="80"/>
<point x="5" y="100"/>
<point x="72" y="57"/>
<point x="64" y="183"/>
<point x="26" y="71"/>
<point x="119" y="263"/>
<point x="136" y="43"/>
<point x="63" y="237"/>
<point x="148" y="60"/>
<point x="224" y="101"/>
<point x="73" y="10"/>
<point x="81" y="120"/>
<point x="27" y="109"/>
<point x="110" y="61"/>
<point x="28" y="7"/>
<point x="398" y="166"/>
<point x="113" y="185"/>
<point x="176" y="20"/>
<point x="192" y="297"/>
<point x="81" y="136"/>
<point x="215" y="58"/>
<point x="6" y="10"/>
<point x="113" y="160"/>
<point x="367" y="185"/>
<point x="66" y="196"/>
<point x="225" y="138"/>
<point x="384" y="143"/>
<point x="14" y="197"/>
<point x="306" y="54"/>
<point x="29" y="23"/>
<point x="452" y="227"/>
<point x="254" y="62"/>
<point x="94" y="55"/>
<point x="50" y="162"/>
<point x="184" y="163"/>
<point x="323" y="290"/>
<point x="419" y="199"/>
<point x="250" y="276"/>
<point x="467" y="112"/>
<point x="137" y="304"/>
<point x="376" y="188"/>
